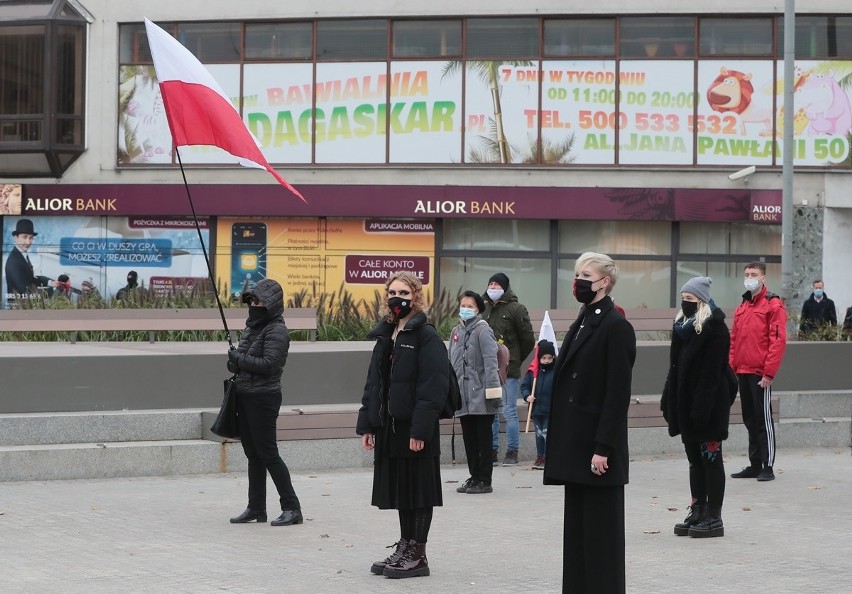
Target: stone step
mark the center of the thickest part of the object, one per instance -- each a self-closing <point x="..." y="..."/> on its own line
<point x="196" y="456"/>
<point x="99" y="427"/>
<point x="817" y="404"/>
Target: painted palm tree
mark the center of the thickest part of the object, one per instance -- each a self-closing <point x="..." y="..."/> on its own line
<point x="553" y="152"/>
<point x="489" y="73"/>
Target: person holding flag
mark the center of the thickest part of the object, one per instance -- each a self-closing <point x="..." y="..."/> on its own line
<point x="535" y="390"/>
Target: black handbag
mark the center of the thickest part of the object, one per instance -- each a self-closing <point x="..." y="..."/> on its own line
<point x="226" y="424"/>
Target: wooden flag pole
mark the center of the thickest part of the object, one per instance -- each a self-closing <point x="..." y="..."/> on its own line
<point x="529" y="410"/>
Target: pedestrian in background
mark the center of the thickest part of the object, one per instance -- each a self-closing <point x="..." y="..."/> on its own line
<point x="407" y="384"/>
<point x="817" y="311"/>
<point x="587" y="435"/>
<point x="258" y="361"/>
<point x="758" y="343"/>
<point x="473" y="355"/>
<point x="696" y="403"/>
<point x="510" y="321"/>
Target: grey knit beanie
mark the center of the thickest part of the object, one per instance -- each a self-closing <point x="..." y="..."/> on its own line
<point x="698" y="286"/>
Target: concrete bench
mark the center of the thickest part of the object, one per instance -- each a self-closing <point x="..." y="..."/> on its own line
<point x="643" y="319"/>
<point x="338" y="422"/>
<point x="150" y="320"/>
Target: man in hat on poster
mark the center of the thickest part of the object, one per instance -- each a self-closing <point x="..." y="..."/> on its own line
<point x="20" y="279"/>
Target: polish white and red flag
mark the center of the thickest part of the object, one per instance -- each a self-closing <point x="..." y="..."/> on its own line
<point x="198" y="110"/>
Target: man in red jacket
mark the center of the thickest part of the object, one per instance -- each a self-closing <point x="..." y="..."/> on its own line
<point x="758" y="342"/>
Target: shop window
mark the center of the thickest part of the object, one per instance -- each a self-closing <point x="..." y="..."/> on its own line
<point x="352" y="40"/>
<point x="729" y="238"/>
<point x="420" y="39"/>
<point x="133" y="43"/>
<point x="496" y="235"/>
<point x="646" y="238"/>
<point x="738" y="36"/>
<point x="502" y="38"/>
<point x="657" y="37"/>
<point x="211" y="42"/>
<point x="282" y="41"/>
<point x="727" y="287"/>
<point x="640" y="283"/>
<point x="819" y="37"/>
<point x="530" y="279"/>
<point x="579" y="37"/>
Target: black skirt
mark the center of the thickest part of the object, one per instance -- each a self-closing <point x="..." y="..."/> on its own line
<point x="404" y="479"/>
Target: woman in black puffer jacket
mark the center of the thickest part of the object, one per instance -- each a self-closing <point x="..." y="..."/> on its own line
<point x="407" y="384"/>
<point x="696" y="403"/>
<point x="258" y="362"/>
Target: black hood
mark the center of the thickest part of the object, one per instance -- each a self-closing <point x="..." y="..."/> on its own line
<point x="271" y="294"/>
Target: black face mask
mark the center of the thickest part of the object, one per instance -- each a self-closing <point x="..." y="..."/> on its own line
<point x="583" y="290"/>
<point x="689" y="308"/>
<point x="399" y="307"/>
<point x="256" y="316"/>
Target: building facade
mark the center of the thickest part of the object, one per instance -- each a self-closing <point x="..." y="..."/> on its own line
<point x="456" y="142"/>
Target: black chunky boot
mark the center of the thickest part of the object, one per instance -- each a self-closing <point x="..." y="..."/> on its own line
<point x="710" y="526"/>
<point x="696" y="514"/>
<point x="379" y="566"/>
<point x="412" y="564"/>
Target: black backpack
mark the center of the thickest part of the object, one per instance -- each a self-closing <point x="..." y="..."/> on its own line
<point x="453" y="403"/>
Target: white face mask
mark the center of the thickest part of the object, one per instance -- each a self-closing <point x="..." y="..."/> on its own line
<point x="751" y="284"/>
<point x="495" y="294"/>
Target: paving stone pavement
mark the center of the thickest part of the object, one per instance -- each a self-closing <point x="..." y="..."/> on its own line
<point x="171" y="534"/>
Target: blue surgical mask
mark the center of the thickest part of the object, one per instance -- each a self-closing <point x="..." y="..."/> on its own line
<point x="495" y="294"/>
<point x="818" y="293"/>
<point x="467" y="313"/>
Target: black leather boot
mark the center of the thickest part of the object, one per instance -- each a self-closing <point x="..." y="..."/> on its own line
<point x="288" y="517"/>
<point x="696" y="514"/>
<point x="711" y="525"/>
<point x="412" y="564"/>
<point x="250" y="515"/>
<point x="399" y="549"/>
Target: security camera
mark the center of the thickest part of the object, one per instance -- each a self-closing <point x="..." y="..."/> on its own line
<point x="742" y="173"/>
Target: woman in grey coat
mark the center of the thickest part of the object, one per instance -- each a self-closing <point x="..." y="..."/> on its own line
<point x="473" y="354"/>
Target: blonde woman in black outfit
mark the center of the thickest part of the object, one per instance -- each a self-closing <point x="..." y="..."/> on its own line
<point x="696" y="403"/>
<point x="406" y="387"/>
<point x="587" y="433"/>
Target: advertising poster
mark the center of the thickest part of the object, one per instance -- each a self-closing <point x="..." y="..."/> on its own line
<point x="87" y="254"/>
<point x="822" y="124"/>
<point x="351" y="112"/>
<point x="143" y="130"/>
<point x="655" y="112"/>
<point x="576" y="103"/>
<point x="501" y="100"/>
<point x="733" y="125"/>
<point x="425" y="114"/>
<point x="323" y="255"/>
<point x="277" y="100"/>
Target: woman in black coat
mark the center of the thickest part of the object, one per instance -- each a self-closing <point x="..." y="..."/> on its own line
<point x="697" y="401"/>
<point x="407" y="385"/>
<point x="587" y="433"/>
<point x="258" y="362"/>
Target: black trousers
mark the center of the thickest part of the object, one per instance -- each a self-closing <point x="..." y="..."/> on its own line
<point x="593" y="540"/>
<point x="476" y="432"/>
<point x="258" y="415"/>
<point x="706" y="472"/>
<point x="757" y="417"/>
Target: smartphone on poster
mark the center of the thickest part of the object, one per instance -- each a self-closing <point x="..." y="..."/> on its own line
<point x="248" y="256"/>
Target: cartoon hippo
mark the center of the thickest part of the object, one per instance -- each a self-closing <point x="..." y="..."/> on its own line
<point x="826" y="105"/>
